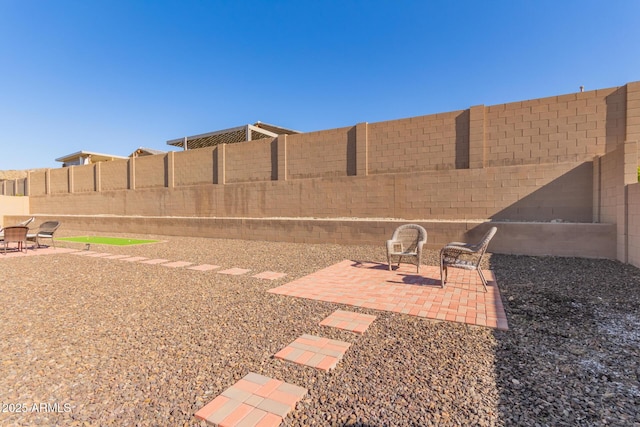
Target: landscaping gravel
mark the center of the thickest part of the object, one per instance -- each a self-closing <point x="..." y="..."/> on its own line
<point x="97" y="342"/>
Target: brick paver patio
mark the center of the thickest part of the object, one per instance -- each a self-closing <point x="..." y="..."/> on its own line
<point x="255" y="400"/>
<point x="372" y="285"/>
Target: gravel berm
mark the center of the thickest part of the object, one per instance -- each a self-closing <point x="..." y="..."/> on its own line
<point x="95" y="342"/>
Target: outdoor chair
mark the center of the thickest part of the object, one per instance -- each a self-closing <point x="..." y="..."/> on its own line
<point x="45" y="231"/>
<point x="407" y="241"/>
<point x="465" y="255"/>
<point x="26" y="222"/>
<point x="20" y="224"/>
<point x="17" y="234"/>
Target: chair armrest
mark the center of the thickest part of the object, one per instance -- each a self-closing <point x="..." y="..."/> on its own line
<point x="390" y="246"/>
<point x="457" y="249"/>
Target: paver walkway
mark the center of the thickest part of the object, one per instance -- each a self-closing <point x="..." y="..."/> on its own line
<point x="349" y="321"/>
<point x="255" y="400"/>
<point x="12" y="252"/>
<point x="235" y="271"/>
<point x="372" y="285"/>
<point x="317" y="352"/>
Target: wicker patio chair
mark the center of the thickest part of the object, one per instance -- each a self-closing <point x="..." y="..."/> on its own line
<point x="26" y="222"/>
<point x="407" y="241"/>
<point x="45" y="231"/>
<point x="20" y="224"/>
<point x="17" y="234"/>
<point x="465" y="255"/>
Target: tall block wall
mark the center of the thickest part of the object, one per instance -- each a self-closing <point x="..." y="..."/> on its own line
<point x="634" y="224"/>
<point x="554" y="158"/>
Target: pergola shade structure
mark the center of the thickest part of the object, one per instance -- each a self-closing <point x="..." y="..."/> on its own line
<point x="86" y="158"/>
<point x="232" y="135"/>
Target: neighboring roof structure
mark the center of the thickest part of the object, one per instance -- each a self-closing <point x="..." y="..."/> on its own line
<point x="87" y="157"/>
<point x="143" y="151"/>
<point x="258" y="130"/>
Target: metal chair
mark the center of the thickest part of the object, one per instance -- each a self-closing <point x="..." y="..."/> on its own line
<point x="45" y="231"/>
<point x="466" y="256"/>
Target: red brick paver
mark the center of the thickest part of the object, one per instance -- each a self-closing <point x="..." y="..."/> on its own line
<point x="255" y="400"/>
<point x="155" y="261"/>
<point x="117" y="256"/>
<point x="349" y="321"/>
<point x="234" y="271"/>
<point x="317" y="352"/>
<point x="98" y="254"/>
<point x="176" y="264"/>
<point x="204" y="267"/>
<point x="134" y="259"/>
<point x="269" y="275"/>
<point x="372" y="285"/>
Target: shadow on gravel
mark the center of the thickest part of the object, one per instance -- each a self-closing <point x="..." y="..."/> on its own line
<point x="571" y="355"/>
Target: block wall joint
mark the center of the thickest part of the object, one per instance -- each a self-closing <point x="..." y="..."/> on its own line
<point x="282" y="157"/>
<point x="362" y="149"/>
<point x="477" y="144"/>
<point x="220" y="163"/>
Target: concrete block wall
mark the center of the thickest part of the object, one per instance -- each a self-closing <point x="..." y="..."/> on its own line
<point x="59" y="181"/>
<point x="193" y="167"/>
<point x="523" y="193"/>
<point x="82" y="178"/>
<point x="567" y="157"/>
<point x="633" y="193"/>
<point x="149" y="171"/>
<point x="321" y="154"/>
<point x="561" y="239"/>
<point x="249" y="161"/>
<point x="433" y="142"/>
<point x="14" y="187"/>
<point x="38" y="183"/>
<point x="565" y="128"/>
<point x="113" y="175"/>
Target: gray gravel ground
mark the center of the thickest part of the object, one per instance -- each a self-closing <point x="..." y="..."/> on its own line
<point x="112" y="343"/>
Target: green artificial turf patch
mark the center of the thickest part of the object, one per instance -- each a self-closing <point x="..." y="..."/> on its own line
<point x="116" y="241"/>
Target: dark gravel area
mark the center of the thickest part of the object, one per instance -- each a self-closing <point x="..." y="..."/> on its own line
<point x="112" y="343"/>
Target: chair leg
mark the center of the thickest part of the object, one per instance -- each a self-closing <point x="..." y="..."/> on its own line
<point x="389" y="261"/>
<point x="484" y="281"/>
<point x="443" y="272"/>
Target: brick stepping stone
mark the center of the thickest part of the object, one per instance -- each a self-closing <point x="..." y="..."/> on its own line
<point x="234" y="271"/>
<point x="255" y="400"/>
<point x="176" y="264"/>
<point x="269" y="275"/>
<point x="349" y="321"/>
<point x="154" y="261"/>
<point x="83" y="253"/>
<point x="134" y="258"/>
<point x="204" y="267"/>
<point x="116" y="256"/>
<point x="98" y="254"/>
<point x="317" y="352"/>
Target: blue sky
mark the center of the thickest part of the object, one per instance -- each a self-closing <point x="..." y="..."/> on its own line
<point x="110" y="76"/>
